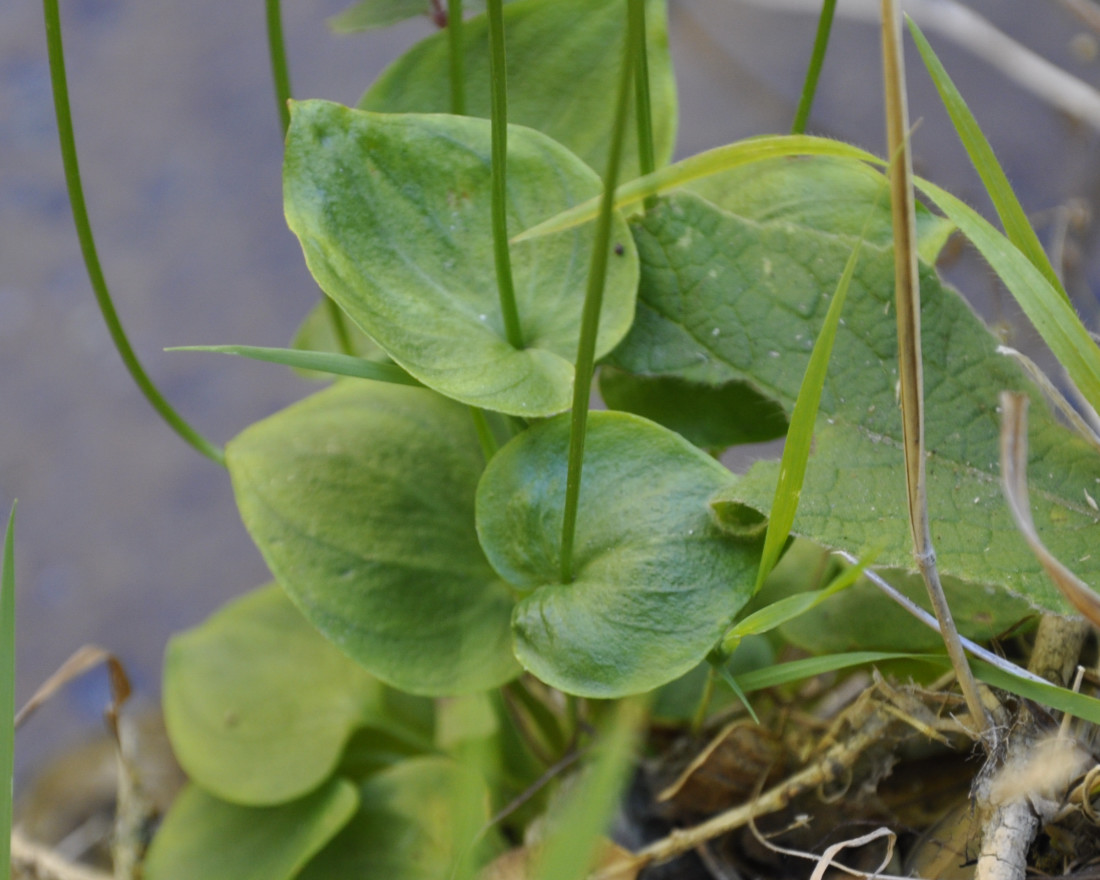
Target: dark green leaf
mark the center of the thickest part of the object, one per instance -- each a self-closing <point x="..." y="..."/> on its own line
<point x="710" y="417"/>
<point x="656" y="582"/>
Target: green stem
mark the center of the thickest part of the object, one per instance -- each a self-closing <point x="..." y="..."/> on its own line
<point x="817" y="59"/>
<point x="339" y="325"/>
<point x="457" y="56"/>
<point x="590" y="317"/>
<point x="643" y="108"/>
<point x="499" y="83"/>
<point x="280" y="76"/>
<point x="485" y="436"/>
<point x="87" y="242"/>
<point x="280" y="72"/>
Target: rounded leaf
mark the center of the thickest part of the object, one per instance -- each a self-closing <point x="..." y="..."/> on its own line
<point x="393" y="214"/>
<point x="203" y="838"/>
<point x="361" y="499"/>
<point x="258" y="705"/>
<point x="655" y="582"/>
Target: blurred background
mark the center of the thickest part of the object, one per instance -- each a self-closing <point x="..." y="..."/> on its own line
<point x="125" y="535"/>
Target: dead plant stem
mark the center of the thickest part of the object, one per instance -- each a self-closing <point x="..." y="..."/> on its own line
<point x="907" y="293"/>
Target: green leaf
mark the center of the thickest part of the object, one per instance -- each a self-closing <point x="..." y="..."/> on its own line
<point x="545" y="38"/>
<point x="203" y="838"/>
<point x="369" y="15"/>
<point x="710" y="417"/>
<point x="361" y="499"/>
<point x="826" y="193"/>
<point x="1012" y="215"/>
<point x="727" y="299"/>
<point x="259" y="706"/>
<point x="406" y="827"/>
<point x="315" y="361"/>
<point x="393" y="215"/>
<point x="656" y="583"/>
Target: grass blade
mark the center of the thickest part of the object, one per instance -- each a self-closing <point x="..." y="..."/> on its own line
<point x="697" y="167"/>
<point x="800" y="434"/>
<point x="813" y="71"/>
<point x="574" y="842"/>
<point x="790" y="607"/>
<point x="1008" y="207"/>
<point x="1044" y="306"/>
<point x="7" y="693"/>
<point x="321" y="361"/>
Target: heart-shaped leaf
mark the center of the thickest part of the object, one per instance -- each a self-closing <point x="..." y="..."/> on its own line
<point x="361" y="499"/>
<point x="393" y="214"/>
<point x="544" y="39"/>
<point x="656" y="582"/>
<point x="259" y="705"/>
<point x="203" y="838"/>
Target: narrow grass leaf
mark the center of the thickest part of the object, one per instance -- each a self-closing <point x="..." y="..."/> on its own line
<point x="7" y="693"/>
<point x="699" y="166"/>
<point x="585" y="816"/>
<point x="1043" y="304"/>
<point x="1078" y="705"/>
<point x="783" y="610"/>
<point x="318" y="361"/>
<point x="800" y="435"/>
<point x="1008" y="207"/>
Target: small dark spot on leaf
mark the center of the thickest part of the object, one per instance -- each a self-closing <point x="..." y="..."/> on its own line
<point x="619" y="249"/>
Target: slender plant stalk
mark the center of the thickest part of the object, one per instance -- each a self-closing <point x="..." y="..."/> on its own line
<point x="280" y="72"/>
<point x="87" y="241"/>
<point x="813" y="72"/>
<point x="907" y="293"/>
<point x="457" y="57"/>
<point x="7" y="693"/>
<point x="498" y="75"/>
<point x="280" y="76"/>
<point x="643" y="110"/>
<point x="593" y="300"/>
<point x="484" y="433"/>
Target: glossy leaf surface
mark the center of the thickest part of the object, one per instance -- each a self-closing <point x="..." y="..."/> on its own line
<point x="656" y="582"/>
<point x="204" y="838"/>
<point x="259" y="705"/>
<point x="361" y="499"/>
<point x="563" y="67"/>
<point x="724" y="298"/>
<point x="392" y="212"/>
